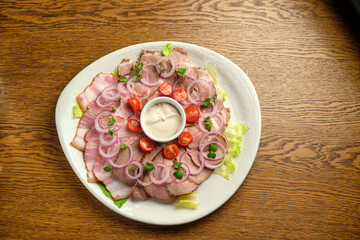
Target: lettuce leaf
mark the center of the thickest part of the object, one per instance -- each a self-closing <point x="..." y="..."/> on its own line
<point x="211" y="70"/>
<point x="234" y="133"/>
<point x="78" y="113"/>
<point x="118" y="203"/>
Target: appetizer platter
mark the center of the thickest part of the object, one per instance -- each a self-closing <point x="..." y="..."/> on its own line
<point x="155" y="140"/>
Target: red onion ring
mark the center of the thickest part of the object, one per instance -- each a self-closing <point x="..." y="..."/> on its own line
<point x="171" y="177"/>
<point x="131" y="86"/>
<point x="201" y="123"/>
<point x="217" y="157"/>
<point x="108" y="90"/>
<point x="108" y="155"/>
<point x="211" y="133"/>
<point x="164" y="179"/>
<point x="97" y="118"/>
<point x="210" y="166"/>
<point x="147" y="83"/>
<point x="202" y="164"/>
<point x="212" y="113"/>
<point x="104" y="142"/>
<point x="140" y="170"/>
<point x="172" y="70"/>
<point x="143" y="183"/>
<point x="123" y="165"/>
<point x="200" y="90"/>
<point x="97" y="100"/>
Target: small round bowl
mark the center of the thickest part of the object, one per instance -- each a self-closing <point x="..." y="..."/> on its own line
<point x="163" y="100"/>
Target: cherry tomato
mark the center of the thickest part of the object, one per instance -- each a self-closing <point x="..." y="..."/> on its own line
<point x="134" y="104"/>
<point x="171" y="151"/>
<point x="185" y="138"/>
<point x="179" y="94"/>
<point x="146" y="144"/>
<point x="192" y="114"/>
<point x="134" y="125"/>
<point x="165" y="88"/>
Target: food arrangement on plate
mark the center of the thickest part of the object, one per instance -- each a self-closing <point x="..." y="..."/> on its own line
<point x="133" y="132"/>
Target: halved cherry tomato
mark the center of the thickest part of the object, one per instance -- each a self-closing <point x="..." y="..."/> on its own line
<point x="165" y="88"/>
<point x="147" y="144"/>
<point x="192" y="114"/>
<point x="179" y="94"/>
<point x="134" y="125"/>
<point x="185" y="138"/>
<point x="171" y="151"/>
<point x="134" y="104"/>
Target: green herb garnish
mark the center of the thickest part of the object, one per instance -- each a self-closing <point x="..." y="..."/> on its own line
<point x="123" y="79"/>
<point x="179" y="174"/>
<point x="163" y="70"/>
<point x="119" y="101"/>
<point x="181" y="72"/>
<point x="213" y="147"/>
<point x="149" y="166"/>
<point x="113" y="109"/>
<point x="131" y="169"/>
<point x="111" y="121"/>
<point x="177" y="165"/>
<point x="207" y="102"/>
<point x="215" y="97"/>
<point x="207" y="119"/>
<point x="107" y="169"/>
<point x="208" y="126"/>
<point x="166" y="50"/>
<point x="112" y="132"/>
<point x="123" y="146"/>
<point x="211" y="155"/>
<point x="138" y="78"/>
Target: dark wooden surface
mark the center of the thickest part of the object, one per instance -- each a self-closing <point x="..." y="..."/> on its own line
<point x="303" y="58"/>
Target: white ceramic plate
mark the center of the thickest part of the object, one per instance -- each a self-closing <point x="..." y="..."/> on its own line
<point x="212" y="193"/>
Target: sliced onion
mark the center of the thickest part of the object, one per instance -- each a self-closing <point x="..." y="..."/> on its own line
<point x="139" y="169"/>
<point x="217" y="157"/>
<point x="186" y="174"/>
<point x="202" y="164"/>
<point x="146" y="82"/>
<point x="107" y="92"/>
<point x="198" y="81"/>
<point x="104" y="142"/>
<point x="201" y="123"/>
<point x="131" y="86"/>
<point x="172" y="70"/>
<point x="162" y="180"/>
<point x="97" y="118"/>
<point x="210" y="166"/>
<point x="108" y="155"/>
<point x="209" y="114"/>
<point x="143" y="183"/>
<point x="97" y="100"/>
<point x="171" y="177"/>
<point x="125" y="164"/>
<point x="213" y="133"/>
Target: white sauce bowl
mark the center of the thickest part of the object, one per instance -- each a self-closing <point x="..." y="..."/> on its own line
<point x="174" y="103"/>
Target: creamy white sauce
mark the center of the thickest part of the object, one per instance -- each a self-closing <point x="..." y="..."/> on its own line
<point x="162" y="120"/>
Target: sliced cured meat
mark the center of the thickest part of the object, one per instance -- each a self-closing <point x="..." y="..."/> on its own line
<point x="139" y="192"/>
<point x="149" y="157"/>
<point x="177" y="189"/>
<point x="101" y="81"/>
<point x="86" y="122"/>
<point x="193" y="163"/>
<point x="196" y="133"/>
<point x="117" y="189"/>
<point x="124" y="67"/>
<point x="91" y="153"/>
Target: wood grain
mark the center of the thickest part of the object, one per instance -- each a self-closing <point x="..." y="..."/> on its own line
<point x="302" y="57"/>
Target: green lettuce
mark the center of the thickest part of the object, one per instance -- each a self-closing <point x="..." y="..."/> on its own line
<point x="78" y="113"/>
<point x="211" y="70"/>
<point x="118" y="203"/>
<point x="166" y="50"/>
<point x="234" y="133"/>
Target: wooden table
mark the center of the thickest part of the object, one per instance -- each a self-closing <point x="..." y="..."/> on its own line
<point x="302" y="57"/>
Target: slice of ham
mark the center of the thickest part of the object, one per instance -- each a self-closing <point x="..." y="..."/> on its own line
<point x="193" y="162"/>
<point x="86" y="122"/>
<point x="139" y="192"/>
<point x="124" y="67"/>
<point x="101" y="81"/>
<point x="91" y="153"/>
<point x="117" y="189"/>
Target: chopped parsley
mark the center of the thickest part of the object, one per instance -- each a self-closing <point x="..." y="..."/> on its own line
<point x="113" y="109"/>
<point x="111" y="121"/>
<point x="112" y="132"/>
<point x="213" y="147"/>
<point x="149" y="166"/>
<point x="177" y="165"/>
<point x="138" y="78"/>
<point x="163" y="70"/>
<point x="207" y="119"/>
<point x="211" y="155"/>
<point x="207" y="102"/>
<point x="208" y="126"/>
<point x="123" y="146"/>
<point x="131" y="169"/>
<point x="181" y="72"/>
<point x="119" y="101"/>
<point x="179" y="174"/>
<point x="123" y="79"/>
<point x="107" y="169"/>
